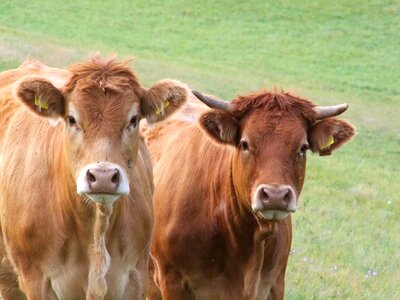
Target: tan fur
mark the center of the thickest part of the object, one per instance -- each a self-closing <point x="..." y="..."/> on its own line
<point x="31" y="87"/>
<point x="172" y="91"/>
<point x="57" y="243"/>
<point x="99" y="257"/>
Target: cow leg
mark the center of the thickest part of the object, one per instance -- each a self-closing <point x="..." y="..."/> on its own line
<point x="277" y="291"/>
<point x="136" y="289"/>
<point x="278" y="288"/>
<point x="138" y="279"/>
<point x="174" y="288"/>
<point x="12" y="295"/>
<point x="9" y="287"/>
<point x="153" y="292"/>
<point x="36" y="286"/>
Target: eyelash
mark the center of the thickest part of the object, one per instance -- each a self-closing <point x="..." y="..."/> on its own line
<point x="244" y="145"/>
<point x="132" y="123"/>
<point x="72" y="121"/>
<point x="304" y="149"/>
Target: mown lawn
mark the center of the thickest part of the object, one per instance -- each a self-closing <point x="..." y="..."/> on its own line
<point x="346" y="239"/>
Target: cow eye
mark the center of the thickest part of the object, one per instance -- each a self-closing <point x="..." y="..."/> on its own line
<point x="71" y="121"/>
<point x="132" y="122"/>
<point x="304" y="149"/>
<point x="244" y="145"/>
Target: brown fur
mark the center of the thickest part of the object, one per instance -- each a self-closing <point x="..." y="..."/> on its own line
<point x="208" y="243"/>
<point x="59" y="244"/>
<point x="278" y="102"/>
<point x="341" y="131"/>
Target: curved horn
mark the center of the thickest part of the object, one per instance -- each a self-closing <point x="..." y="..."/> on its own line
<point x="212" y="102"/>
<point x="330" y="111"/>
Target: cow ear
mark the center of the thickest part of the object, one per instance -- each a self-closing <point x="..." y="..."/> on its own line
<point x="40" y="96"/>
<point x="330" y="134"/>
<point x="221" y="125"/>
<point x="163" y="99"/>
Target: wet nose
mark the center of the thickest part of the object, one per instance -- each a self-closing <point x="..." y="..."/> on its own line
<point x="103" y="180"/>
<point x="276" y="197"/>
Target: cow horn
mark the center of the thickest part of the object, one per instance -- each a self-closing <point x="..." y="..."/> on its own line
<point x="330" y="111"/>
<point x="212" y="102"/>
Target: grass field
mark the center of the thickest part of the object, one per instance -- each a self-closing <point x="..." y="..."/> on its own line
<point x="347" y="232"/>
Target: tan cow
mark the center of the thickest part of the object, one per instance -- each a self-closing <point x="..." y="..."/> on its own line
<point x="76" y="195"/>
<point x="225" y="191"/>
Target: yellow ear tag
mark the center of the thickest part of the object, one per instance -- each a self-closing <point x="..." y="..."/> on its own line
<point x="160" y="109"/>
<point x="40" y="104"/>
<point x="330" y="142"/>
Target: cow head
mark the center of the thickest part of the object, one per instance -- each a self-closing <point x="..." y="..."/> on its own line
<point x="272" y="133"/>
<point x="101" y="106"/>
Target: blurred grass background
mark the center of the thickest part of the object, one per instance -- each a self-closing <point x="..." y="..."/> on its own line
<point x="346" y="234"/>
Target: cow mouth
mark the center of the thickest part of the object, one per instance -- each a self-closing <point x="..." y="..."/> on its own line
<point x="103" y="197"/>
<point x="273" y="215"/>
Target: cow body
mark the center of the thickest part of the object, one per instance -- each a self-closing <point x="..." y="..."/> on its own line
<point x="211" y="241"/>
<point x="59" y="242"/>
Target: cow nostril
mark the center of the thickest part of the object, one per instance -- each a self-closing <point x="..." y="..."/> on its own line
<point x="287" y="197"/>
<point x="91" y="178"/>
<point x="115" y="178"/>
<point x="265" y="193"/>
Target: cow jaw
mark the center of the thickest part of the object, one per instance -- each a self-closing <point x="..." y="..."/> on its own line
<point x="273" y="214"/>
<point x="102" y="182"/>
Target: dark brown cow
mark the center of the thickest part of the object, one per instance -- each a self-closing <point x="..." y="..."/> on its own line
<point x="76" y="198"/>
<point x="225" y="191"/>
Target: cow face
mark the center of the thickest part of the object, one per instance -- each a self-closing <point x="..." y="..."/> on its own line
<point x="101" y="107"/>
<point x="272" y="133"/>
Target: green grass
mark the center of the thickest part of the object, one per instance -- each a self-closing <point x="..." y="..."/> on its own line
<point x="331" y="52"/>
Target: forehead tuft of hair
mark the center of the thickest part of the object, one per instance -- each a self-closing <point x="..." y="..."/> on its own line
<point x="277" y="102"/>
<point x="103" y="74"/>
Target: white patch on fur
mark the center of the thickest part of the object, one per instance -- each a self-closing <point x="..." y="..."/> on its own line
<point x="292" y="207"/>
<point x="57" y="82"/>
<point x="257" y="205"/>
<point x="54" y="122"/>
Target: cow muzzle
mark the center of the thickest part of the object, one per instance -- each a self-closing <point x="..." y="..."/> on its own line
<point x="274" y="202"/>
<point x="102" y="182"/>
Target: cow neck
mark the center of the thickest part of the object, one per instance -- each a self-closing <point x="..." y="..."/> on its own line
<point x="236" y="203"/>
<point x="262" y="229"/>
<point x="99" y="258"/>
<point x="243" y="233"/>
<point x="238" y="218"/>
<point x="249" y="236"/>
